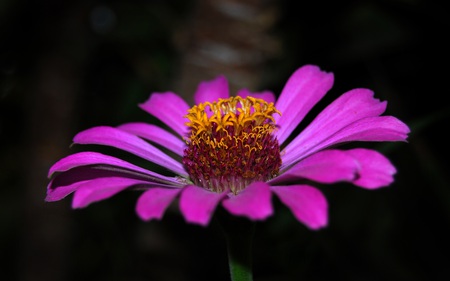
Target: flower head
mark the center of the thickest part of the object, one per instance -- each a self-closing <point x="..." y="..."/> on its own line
<point x="231" y="144"/>
<point x="234" y="151"/>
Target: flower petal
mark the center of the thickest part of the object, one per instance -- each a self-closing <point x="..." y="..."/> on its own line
<point x="306" y="203"/>
<point x="153" y="203"/>
<point x="254" y="202"/>
<point x="341" y="119"/>
<point x="110" y="136"/>
<point x="94" y="158"/>
<point x="327" y="166"/>
<point x="212" y="90"/>
<point x="268" y="96"/>
<point x="170" y="109"/>
<point x="67" y="182"/>
<point x="155" y="134"/>
<point x="99" y="189"/>
<point x="56" y="194"/>
<point x="198" y="204"/>
<point x="363" y="167"/>
<point x="382" y="128"/>
<point x="302" y="91"/>
<point x="375" y="170"/>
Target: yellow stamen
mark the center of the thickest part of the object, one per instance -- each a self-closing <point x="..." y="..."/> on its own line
<point x="234" y="112"/>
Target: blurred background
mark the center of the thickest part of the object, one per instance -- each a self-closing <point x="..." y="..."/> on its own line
<point x="66" y="66"/>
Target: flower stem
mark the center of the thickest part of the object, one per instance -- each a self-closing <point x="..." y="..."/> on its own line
<point x="239" y="235"/>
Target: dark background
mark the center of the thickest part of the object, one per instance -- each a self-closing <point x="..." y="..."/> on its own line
<point x="66" y="66"/>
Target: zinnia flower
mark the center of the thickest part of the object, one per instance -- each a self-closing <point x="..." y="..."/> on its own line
<point x="234" y="152"/>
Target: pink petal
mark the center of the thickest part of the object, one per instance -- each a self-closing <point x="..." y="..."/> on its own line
<point x="363" y="167"/>
<point x="155" y="134"/>
<point x="109" y="136"/>
<point x="153" y="203"/>
<point x="302" y="91"/>
<point x="170" y="109"/>
<point x="198" y="204"/>
<point x="254" y="202"/>
<point x="95" y="158"/>
<point x="100" y="189"/>
<point x="212" y="90"/>
<point x="265" y="95"/>
<point x="67" y="182"/>
<point x="375" y="170"/>
<point x="327" y="166"/>
<point x="382" y="128"/>
<point x="348" y="108"/>
<point x="56" y="194"/>
<point x="306" y="203"/>
<point x="339" y="119"/>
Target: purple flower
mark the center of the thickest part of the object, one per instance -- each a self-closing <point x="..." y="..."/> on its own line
<point x="234" y="151"/>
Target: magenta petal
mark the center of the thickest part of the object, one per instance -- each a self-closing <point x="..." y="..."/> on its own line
<point x="381" y="128"/>
<point x="306" y="203"/>
<point x="198" y="204"/>
<point x="254" y="202"/>
<point x="155" y="134"/>
<point x="56" y="194"/>
<point x="67" y="182"/>
<point x="265" y="95"/>
<point x="153" y="203"/>
<point x="212" y="90"/>
<point x="94" y="158"/>
<point x="110" y="136"/>
<point x="375" y="170"/>
<point x="350" y="107"/>
<point x="100" y="189"/>
<point x="170" y="109"/>
<point x="303" y="90"/>
<point x="341" y="119"/>
<point x="326" y="166"/>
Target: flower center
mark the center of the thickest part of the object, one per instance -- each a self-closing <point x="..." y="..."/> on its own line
<point x="231" y="144"/>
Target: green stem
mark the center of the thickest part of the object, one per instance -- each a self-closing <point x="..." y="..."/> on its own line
<point x="239" y="235"/>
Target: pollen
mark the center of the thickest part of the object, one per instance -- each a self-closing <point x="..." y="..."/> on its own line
<point x="231" y="143"/>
